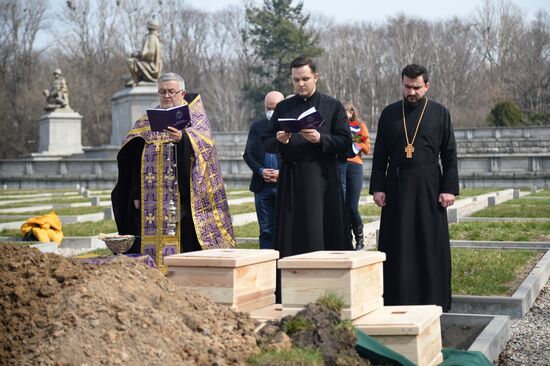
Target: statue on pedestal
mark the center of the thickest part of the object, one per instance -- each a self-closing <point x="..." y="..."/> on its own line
<point x="146" y="65"/>
<point x="58" y="94"/>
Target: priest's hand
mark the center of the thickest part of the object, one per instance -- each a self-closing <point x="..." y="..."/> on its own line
<point x="173" y="133"/>
<point x="311" y="134"/>
<point x="136" y="204"/>
<point x="379" y="198"/>
<point x="446" y="199"/>
<point x="283" y="137"/>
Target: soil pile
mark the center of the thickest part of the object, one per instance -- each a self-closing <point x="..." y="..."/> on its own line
<point x="318" y="326"/>
<point x="59" y="311"/>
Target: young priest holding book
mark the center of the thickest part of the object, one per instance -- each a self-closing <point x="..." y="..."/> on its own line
<point x="170" y="191"/>
<point x="311" y="213"/>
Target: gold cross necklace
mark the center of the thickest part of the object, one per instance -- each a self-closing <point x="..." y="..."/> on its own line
<point x="409" y="149"/>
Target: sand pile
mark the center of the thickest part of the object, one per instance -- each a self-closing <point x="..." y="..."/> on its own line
<point x="59" y="311"/>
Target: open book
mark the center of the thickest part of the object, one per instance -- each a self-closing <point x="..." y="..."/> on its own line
<point x="177" y="117"/>
<point x="309" y="119"/>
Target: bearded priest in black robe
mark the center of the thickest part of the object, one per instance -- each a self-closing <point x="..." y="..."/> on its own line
<point x="414" y="179"/>
<point x="310" y="209"/>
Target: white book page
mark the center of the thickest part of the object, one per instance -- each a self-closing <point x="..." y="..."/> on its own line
<point x="307" y="113"/>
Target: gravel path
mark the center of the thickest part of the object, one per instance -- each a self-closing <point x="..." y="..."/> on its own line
<point x="530" y="343"/>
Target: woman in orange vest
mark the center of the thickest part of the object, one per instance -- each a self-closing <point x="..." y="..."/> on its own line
<point x="351" y="171"/>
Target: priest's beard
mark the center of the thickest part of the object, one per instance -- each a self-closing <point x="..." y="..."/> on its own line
<point x="413" y="101"/>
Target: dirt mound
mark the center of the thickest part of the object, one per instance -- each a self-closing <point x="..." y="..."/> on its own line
<point x="58" y="311"/>
<point x="319" y="327"/>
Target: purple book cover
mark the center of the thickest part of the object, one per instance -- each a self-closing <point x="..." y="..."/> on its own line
<point x="309" y="119"/>
<point x="177" y="117"/>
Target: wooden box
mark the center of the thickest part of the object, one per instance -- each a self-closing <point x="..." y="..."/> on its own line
<point x="270" y="312"/>
<point x="241" y="278"/>
<point x="354" y="276"/>
<point x="413" y="331"/>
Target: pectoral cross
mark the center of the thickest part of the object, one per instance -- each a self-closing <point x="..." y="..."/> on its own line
<point x="409" y="151"/>
<point x="157" y="141"/>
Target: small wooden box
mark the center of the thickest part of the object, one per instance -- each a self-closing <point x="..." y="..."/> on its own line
<point x="413" y="331"/>
<point x="241" y="278"/>
<point x="270" y="312"/>
<point x="354" y="276"/>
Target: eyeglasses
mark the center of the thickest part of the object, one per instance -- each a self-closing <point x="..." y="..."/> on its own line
<point x="169" y="93"/>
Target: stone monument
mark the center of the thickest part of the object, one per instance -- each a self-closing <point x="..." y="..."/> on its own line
<point x="140" y="93"/>
<point x="60" y="128"/>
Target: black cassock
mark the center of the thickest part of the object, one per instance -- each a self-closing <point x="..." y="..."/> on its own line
<point x="414" y="232"/>
<point x="310" y="209"/>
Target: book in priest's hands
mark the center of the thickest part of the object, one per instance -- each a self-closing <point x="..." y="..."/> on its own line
<point x="309" y="119"/>
<point x="177" y="117"/>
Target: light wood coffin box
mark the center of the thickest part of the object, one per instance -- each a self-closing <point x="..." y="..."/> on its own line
<point x="354" y="276"/>
<point x="244" y="279"/>
<point x="270" y="312"/>
<point x="413" y="331"/>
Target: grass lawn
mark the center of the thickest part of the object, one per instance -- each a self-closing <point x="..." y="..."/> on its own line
<point x="513" y="210"/>
<point x="490" y="272"/>
<point x="249" y="245"/>
<point x="529" y="201"/>
<point x="20" y="243"/>
<point x="251" y="230"/>
<point x="501" y="231"/>
<point x="369" y="210"/>
<point x="541" y="194"/>
<point x="242" y="208"/>
<point x="12" y="220"/>
<point x="67" y="211"/>
<point x="53" y="201"/>
<point x="16" y="192"/>
<point x="469" y="192"/>
<point x="240" y="192"/>
<point x="77" y="229"/>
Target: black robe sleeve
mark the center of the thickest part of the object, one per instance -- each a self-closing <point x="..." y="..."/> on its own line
<point x="448" y="154"/>
<point x="380" y="159"/>
<point x="339" y="139"/>
<point x="127" y="217"/>
<point x="269" y="138"/>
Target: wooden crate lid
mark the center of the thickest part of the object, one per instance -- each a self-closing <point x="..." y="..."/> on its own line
<point x="329" y="259"/>
<point x="221" y="258"/>
<point x="396" y="320"/>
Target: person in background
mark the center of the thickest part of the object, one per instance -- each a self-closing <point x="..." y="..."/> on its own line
<point x="351" y="171"/>
<point x="265" y="171"/>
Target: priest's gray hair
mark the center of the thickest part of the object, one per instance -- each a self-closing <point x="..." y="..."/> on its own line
<point x="169" y="76"/>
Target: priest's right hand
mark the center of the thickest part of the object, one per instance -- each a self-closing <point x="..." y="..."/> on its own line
<point x="379" y="198"/>
<point x="136" y="204"/>
<point x="283" y="137"/>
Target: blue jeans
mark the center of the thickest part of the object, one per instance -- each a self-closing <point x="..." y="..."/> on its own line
<point x="351" y="177"/>
<point x="265" y="210"/>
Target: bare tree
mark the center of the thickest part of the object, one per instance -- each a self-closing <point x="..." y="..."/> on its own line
<point x="531" y="65"/>
<point x="91" y="53"/>
<point x="224" y="70"/>
<point x="20" y="98"/>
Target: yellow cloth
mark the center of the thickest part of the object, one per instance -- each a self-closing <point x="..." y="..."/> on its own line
<point x="45" y="228"/>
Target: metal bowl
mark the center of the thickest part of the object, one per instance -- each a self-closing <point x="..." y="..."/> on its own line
<point x="119" y="244"/>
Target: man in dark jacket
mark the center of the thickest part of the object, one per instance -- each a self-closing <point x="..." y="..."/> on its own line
<point x="265" y="171"/>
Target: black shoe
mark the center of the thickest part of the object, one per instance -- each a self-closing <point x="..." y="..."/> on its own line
<point x="359" y="237"/>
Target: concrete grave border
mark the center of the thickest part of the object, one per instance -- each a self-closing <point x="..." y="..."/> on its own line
<point x="515" y="306"/>
<point x="493" y="338"/>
